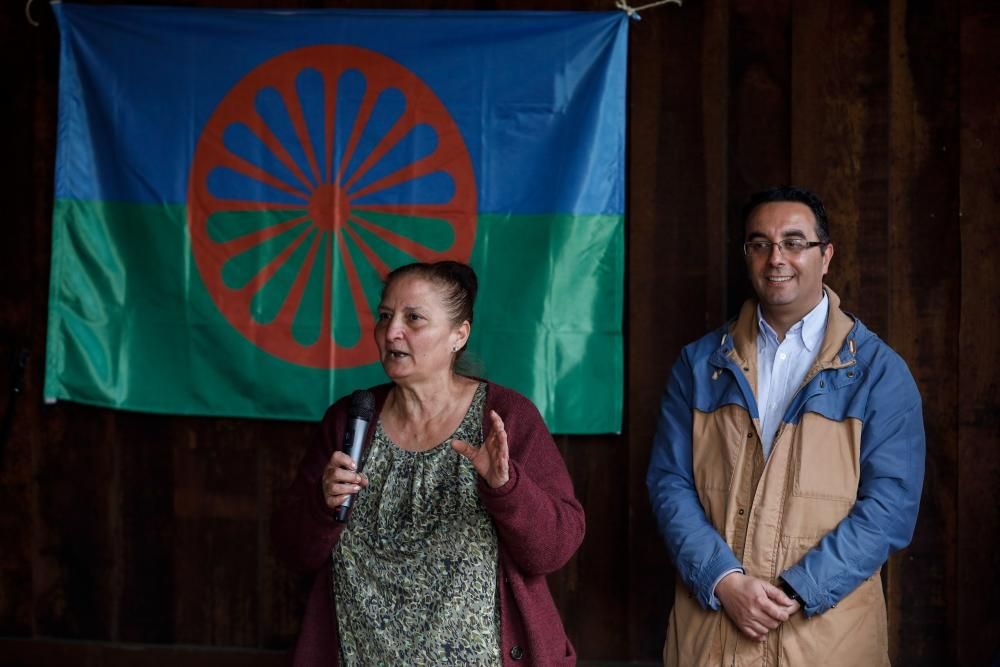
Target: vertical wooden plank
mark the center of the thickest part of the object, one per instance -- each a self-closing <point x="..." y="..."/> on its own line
<point x="18" y="255"/>
<point x="759" y="136"/>
<point x="715" y="61"/>
<point x="282" y="592"/>
<point x="216" y="532"/>
<point x="978" y="512"/>
<point x="676" y="263"/>
<point x="597" y="575"/>
<point x="924" y="281"/>
<point x="653" y="228"/>
<point x="39" y="147"/>
<point x="147" y="579"/>
<point x="16" y="491"/>
<point x="73" y="568"/>
<point x="840" y="137"/>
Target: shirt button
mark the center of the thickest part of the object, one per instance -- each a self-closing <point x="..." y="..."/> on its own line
<point x="517" y="653"/>
<point x="741" y="512"/>
<point x="782" y="355"/>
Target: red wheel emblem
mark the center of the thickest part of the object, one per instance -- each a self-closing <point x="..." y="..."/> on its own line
<point x="320" y="171"/>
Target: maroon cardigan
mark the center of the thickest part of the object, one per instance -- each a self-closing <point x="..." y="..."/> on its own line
<point x="538" y="520"/>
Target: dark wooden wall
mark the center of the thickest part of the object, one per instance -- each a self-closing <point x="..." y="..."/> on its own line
<point x="147" y="534"/>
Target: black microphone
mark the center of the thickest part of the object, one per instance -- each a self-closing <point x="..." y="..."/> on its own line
<point x="362" y="409"/>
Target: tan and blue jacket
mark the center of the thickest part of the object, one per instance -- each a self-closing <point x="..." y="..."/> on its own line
<point x="838" y="493"/>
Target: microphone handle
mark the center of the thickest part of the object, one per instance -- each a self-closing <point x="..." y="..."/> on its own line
<point x="354" y="440"/>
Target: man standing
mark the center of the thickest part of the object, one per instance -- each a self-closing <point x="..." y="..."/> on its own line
<point x="787" y="464"/>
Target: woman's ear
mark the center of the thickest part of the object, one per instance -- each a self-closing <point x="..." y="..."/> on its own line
<point x="461" y="335"/>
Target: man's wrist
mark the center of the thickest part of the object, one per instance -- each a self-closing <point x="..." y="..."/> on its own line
<point x="719" y="580"/>
<point x="787" y="589"/>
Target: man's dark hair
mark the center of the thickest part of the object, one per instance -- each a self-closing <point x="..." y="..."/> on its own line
<point x="792" y="193"/>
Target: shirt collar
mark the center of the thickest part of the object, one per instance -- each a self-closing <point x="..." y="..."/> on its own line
<point x="810" y="328"/>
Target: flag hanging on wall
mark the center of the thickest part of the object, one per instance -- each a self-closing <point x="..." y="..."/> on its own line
<point x="232" y="185"/>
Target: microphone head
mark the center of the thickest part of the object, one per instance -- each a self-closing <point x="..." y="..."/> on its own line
<point x="362" y="405"/>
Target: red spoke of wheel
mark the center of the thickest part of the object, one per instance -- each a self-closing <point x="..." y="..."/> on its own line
<point x="326" y="322"/>
<point x="294" y="297"/>
<point x="241" y="244"/>
<point x="437" y="211"/>
<point x="331" y="86"/>
<point x="244" y="206"/>
<point x="360" y="122"/>
<point x="395" y="134"/>
<point x="410" y="172"/>
<point x="417" y="250"/>
<point x="256" y="124"/>
<point x="380" y="267"/>
<point x="267" y="271"/>
<point x="357" y="292"/>
<point x="252" y="171"/>
<point x="291" y="98"/>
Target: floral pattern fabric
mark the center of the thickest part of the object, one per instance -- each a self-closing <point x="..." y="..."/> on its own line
<point x="415" y="569"/>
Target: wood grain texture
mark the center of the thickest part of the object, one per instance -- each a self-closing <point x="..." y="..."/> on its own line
<point x="676" y="272"/>
<point x="840" y="141"/>
<point x="596" y="576"/>
<point x="133" y="530"/>
<point x="975" y="550"/>
<point x="924" y="253"/>
<point x="759" y="146"/>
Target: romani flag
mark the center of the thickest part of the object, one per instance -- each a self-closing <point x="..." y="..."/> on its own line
<point x="232" y="185"/>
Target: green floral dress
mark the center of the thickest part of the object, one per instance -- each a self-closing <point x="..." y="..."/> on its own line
<point x="415" y="570"/>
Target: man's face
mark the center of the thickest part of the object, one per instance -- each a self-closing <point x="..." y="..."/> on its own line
<point x="788" y="286"/>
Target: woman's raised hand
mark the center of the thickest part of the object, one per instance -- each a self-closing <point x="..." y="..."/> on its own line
<point x="341" y="479"/>
<point x="491" y="460"/>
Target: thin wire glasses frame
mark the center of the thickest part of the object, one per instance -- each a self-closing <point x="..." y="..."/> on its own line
<point x="787" y="247"/>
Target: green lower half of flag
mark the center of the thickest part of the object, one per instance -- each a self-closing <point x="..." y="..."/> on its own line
<point x="134" y="323"/>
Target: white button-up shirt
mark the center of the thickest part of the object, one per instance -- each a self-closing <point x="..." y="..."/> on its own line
<point x="781" y="366"/>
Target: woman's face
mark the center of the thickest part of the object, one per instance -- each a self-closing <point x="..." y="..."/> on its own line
<point x="414" y="333"/>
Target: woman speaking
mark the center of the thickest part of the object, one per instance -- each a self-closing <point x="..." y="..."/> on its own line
<point x="463" y="506"/>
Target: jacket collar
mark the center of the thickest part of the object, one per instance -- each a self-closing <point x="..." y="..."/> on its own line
<point x="838" y="349"/>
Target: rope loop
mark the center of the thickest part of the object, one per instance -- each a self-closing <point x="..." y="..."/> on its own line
<point x="633" y="12"/>
<point x="27" y="14"/>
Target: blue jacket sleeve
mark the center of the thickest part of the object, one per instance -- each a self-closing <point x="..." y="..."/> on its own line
<point x="885" y="512"/>
<point x="698" y="551"/>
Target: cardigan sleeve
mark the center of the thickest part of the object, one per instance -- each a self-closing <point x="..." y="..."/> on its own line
<point x="303" y="529"/>
<point x="538" y="519"/>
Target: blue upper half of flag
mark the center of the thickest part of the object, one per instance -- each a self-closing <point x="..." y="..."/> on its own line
<point x="538" y="99"/>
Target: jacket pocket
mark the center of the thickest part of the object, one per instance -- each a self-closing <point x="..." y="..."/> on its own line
<point x="827" y="458"/>
<point x="717" y="439"/>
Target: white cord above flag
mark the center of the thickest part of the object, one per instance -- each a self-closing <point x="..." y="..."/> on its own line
<point x="633" y="12"/>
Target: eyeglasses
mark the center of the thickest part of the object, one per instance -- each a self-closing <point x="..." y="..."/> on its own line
<point x="787" y="247"/>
